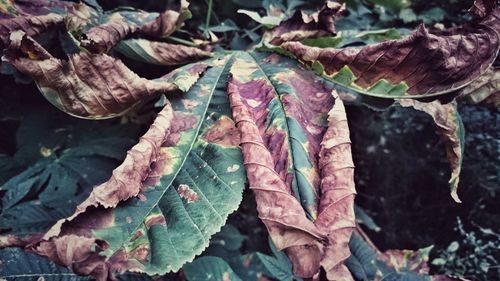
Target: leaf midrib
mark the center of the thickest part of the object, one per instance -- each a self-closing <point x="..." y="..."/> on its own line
<point x="214" y="86"/>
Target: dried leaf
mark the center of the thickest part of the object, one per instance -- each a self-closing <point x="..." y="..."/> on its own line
<point x="420" y="65"/>
<point x="481" y="8"/>
<point x="451" y="129"/>
<point x="14" y="8"/>
<point x="289" y="151"/>
<point x="92" y="86"/>
<point x="160" y="53"/>
<point x="301" y="25"/>
<point x="118" y="25"/>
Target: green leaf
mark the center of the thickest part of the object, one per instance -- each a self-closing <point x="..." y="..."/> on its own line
<point x="363" y="218"/>
<point x="278" y="266"/>
<point x="62" y="170"/>
<point x="407" y="15"/>
<point x="209" y="269"/>
<point x="361" y="263"/>
<point x="268" y="21"/>
<point x="432" y="15"/>
<point x="194" y="183"/>
<point x="18" y="265"/>
<point x="229" y="237"/>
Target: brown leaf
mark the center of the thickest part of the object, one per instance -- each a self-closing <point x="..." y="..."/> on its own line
<point x="76" y="252"/>
<point x="420" y="64"/>
<point x="127" y="179"/>
<point x="282" y="214"/>
<point x="301" y="25"/>
<point x="87" y="85"/>
<point x="309" y="244"/>
<point x="102" y="38"/>
<point x="336" y="216"/>
<point x="480" y="8"/>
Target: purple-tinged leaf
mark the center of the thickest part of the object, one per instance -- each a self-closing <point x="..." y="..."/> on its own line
<point x="420" y="65"/>
<point x="289" y="152"/>
<point x="92" y="86"/>
<point x="101" y="38"/>
<point x="31" y="25"/>
<point x="301" y="25"/>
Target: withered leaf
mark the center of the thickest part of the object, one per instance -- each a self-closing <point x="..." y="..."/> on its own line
<point x="294" y="156"/>
<point x="448" y="120"/>
<point x="92" y="86"/>
<point x="301" y="25"/>
<point x="14" y="8"/>
<point x="420" y="65"/>
<point x="117" y="26"/>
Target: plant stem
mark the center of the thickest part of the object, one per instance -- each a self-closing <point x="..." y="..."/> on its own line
<point x="367" y="239"/>
<point x="182" y="41"/>
<point x="209" y="15"/>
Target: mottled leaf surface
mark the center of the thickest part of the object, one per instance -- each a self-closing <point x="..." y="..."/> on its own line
<point x="272" y="152"/>
<point x="31" y="25"/>
<point x="420" y="65"/>
<point x="451" y="128"/>
<point x="173" y="191"/>
<point x="113" y="27"/>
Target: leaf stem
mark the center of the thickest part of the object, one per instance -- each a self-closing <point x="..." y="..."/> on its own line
<point x="209" y="15"/>
<point x="182" y="41"/>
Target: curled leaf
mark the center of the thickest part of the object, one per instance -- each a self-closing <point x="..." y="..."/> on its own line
<point x="481" y="8"/>
<point x="301" y="25"/>
<point x="15" y="8"/>
<point x="160" y="53"/>
<point x="420" y="65"/>
<point x="451" y="129"/>
<point x="87" y="85"/>
<point x="293" y="158"/>
<point x="103" y="37"/>
<point x="174" y="190"/>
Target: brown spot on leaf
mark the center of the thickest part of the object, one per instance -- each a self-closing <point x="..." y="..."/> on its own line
<point x="156" y="219"/>
<point x="190" y="104"/>
<point x="137" y="234"/>
<point x="183" y="122"/>
<point x="187" y="193"/>
<point x="140" y="253"/>
<point x="223" y="132"/>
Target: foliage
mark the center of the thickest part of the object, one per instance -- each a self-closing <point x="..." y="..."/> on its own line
<point x="275" y="113"/>
<point x="476" y="255"/>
